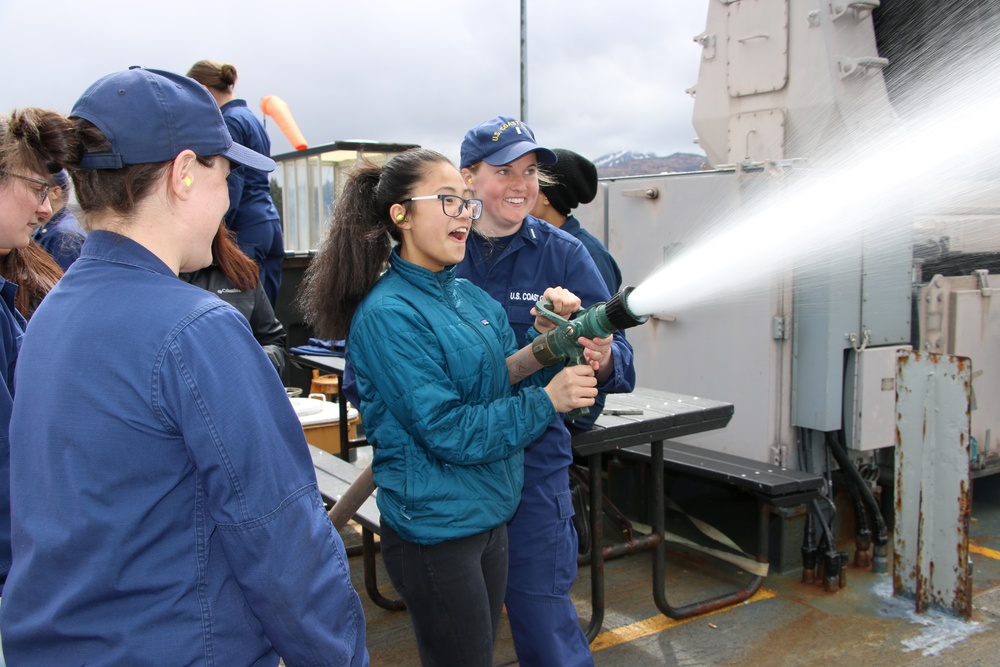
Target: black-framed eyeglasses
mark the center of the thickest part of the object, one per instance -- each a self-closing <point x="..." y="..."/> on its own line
<point x="42" y="192"/>
<point x="453" y="205"/>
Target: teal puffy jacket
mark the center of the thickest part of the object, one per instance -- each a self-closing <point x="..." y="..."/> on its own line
<point x="429" y="352"/>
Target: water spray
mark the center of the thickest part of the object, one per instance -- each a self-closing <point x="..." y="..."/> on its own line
<point x="598" y="321"/>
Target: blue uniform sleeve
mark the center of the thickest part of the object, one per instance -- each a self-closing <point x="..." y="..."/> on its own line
<point x="609" y="270"/>
<point x="6" y="405"/>
<point x="216" y="387"/>
<point x="11" y="327"/>
<point x="236" y="179"/>
<point x="401" y="369"/>
<point x="63" y="245"/>
<point x="584" y="280"/>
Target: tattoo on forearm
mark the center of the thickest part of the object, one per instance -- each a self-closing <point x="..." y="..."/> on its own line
<point x="521" y="364"/>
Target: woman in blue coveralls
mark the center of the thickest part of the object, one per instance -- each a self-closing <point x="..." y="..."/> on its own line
<point x="33" y="145"/>
<point x="164" y="506"/>
<point x="33" y="271"/>
<point x="572" y="181"/>
<point x="61" y="235"/>
<point x="251" y="215"/>
<point x="513" y="256"/>
<point x="435" y="362"/>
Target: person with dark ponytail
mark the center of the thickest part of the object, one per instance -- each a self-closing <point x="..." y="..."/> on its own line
<point x="34" y="144"/>
<point x="164" y="507"/>
<point x="232" y="276"/>
<point x="447" y="398"/>
<point x="252" y="215"/>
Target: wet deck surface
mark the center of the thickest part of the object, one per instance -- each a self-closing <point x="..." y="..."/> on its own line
<point x="785" y="623"/>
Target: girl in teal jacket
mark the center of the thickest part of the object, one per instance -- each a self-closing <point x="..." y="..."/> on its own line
<point x="447" y="399"/>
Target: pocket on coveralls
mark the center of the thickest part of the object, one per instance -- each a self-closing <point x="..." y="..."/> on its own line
<point x="565" y="545"/>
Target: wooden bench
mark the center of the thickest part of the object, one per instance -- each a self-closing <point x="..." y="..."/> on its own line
<point x="333" y="476"/>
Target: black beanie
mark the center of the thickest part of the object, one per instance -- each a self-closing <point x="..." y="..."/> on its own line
<point x="576" y="181"/>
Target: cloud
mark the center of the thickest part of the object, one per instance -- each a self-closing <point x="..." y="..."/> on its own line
<point x="601" y="76"/>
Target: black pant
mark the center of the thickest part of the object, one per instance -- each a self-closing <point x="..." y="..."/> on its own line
<point x="453" y="591"/>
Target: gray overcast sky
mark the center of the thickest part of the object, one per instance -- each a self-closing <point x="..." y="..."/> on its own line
<point x="603" y="75"/>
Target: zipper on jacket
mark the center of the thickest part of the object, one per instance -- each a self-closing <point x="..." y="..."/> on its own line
<point x="469" y="324"/>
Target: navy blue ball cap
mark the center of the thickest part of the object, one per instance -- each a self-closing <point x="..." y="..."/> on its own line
<point x="502" y="140"/>
<point x="151" y="116"/>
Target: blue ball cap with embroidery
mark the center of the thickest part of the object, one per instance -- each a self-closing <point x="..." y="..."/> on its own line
<point x="151" y="116"/>
<point x="502" y="140"/>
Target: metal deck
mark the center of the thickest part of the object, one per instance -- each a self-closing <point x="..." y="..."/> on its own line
<point x="785" y="623"/>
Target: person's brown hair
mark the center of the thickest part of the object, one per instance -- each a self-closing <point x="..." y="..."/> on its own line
<point x="356" y="245"/>
<point x="215" y="75"/>
<point x="117" y="190"/>
<point x="36" y="140"/>
<point x="233" y="262"/>
<point x="34" y="272"/>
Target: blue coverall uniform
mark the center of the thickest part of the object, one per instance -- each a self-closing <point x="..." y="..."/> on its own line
<point x="543" y="542"/>
<point x="606" y="264"/>
<point x="612" y="275"/>
<point x="62" y="237"/>
<point x="164" y="505"/>
<point x="11" y="330"/>
<point x="252" y="215"/>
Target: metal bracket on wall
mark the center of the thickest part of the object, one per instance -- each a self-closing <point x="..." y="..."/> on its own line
<point x="642" y="193"/>
<point x="983" y="279"/>
<point x="707" y="42"/>
<point x="860" y="66"/>
<point x="779" y="327"/>
<point x="861" y="9"/>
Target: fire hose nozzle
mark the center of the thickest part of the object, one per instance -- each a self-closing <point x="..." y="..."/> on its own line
<point x="598" y="321"/>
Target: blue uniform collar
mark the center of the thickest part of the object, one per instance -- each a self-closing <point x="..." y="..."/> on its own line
<point x="234" y="103"/>
<point x="528" y="234"/>
<point x="571" y="226"/>
<point x="52" y="222"/>
<point x="529" y="230"/>
<point x="8" y="291"/>
<point x="110" y="247"/>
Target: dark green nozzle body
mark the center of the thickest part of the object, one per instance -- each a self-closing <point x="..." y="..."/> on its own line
<point x="598" y="321"/>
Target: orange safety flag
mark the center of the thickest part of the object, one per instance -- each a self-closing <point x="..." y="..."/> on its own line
<point x="276" y="108"/>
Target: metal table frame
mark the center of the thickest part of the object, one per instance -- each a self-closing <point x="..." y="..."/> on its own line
<point x="650" y="416"/>
<point x="333" y="365"/>
<point x="643" y="416"/>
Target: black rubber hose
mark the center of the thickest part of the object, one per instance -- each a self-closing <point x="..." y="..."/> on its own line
<point x="862" y="534"/>
<point x="826" y="540"/>
<point x="809" y="550"/>
<point x="880" y="560"/>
